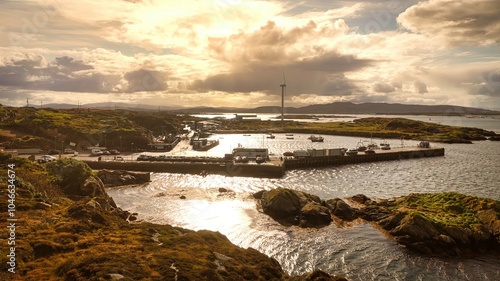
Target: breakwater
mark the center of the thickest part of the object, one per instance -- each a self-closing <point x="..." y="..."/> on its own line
<point x="267" y="170"/>
<point x="380" y="155"/>
<point x="272" y="169"/>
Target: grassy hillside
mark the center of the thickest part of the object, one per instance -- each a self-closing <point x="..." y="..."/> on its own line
<point x="64" y="231"/>
<point x="54" y="128"/>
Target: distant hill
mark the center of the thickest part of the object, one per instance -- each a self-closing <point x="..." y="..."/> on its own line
<point x="111" y="105"/>
<point x="330" y="108"/>
<point x="352" y="108"/>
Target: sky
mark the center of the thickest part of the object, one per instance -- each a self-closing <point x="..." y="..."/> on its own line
<point x="235" y="53"/>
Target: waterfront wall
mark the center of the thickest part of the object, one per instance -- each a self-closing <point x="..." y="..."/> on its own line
<point x="227" y="169"/>
<point x="274" y="169"/>
<point x="307" y="162"/>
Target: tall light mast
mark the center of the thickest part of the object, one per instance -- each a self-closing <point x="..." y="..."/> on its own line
<point x="283" y="90"/>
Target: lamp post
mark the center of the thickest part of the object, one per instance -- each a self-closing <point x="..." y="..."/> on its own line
<point x="132" y="147"/>
<point x="121" y="147"/>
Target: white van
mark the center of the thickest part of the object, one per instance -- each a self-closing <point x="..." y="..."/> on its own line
<point x="96" y="152"/>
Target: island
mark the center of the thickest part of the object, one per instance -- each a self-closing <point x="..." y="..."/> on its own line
<point x="435" y="224"/>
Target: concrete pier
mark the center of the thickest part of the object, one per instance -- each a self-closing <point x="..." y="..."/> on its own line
<point x="265" y="170"/>
<point x="272" y="169"/>
<point x="380" y="155"/>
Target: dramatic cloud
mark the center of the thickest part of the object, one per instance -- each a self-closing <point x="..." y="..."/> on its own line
<point x="233" y="53"/>
<point x="65" y="74"/>
<point x="457" y="22"/>
<point x="383" y="88"/>
<point x="420" y="87"/>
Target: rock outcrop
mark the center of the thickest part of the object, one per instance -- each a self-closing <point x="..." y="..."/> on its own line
<point x="291" y="207"/>
<point x="441" y="224"/>
<point x="120" y="177"/>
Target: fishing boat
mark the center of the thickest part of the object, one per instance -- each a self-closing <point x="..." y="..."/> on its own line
<point x="271" y="136"/>
<point x="316" y="138"/>
<point x="361" y="146"/>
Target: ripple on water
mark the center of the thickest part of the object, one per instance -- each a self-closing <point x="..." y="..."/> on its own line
<point x="359" y="252"/>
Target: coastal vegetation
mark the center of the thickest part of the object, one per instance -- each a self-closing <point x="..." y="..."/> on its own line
<point x="369" y="127"/>
<point x="68" y="228"/>
<point x="52" y="128"/>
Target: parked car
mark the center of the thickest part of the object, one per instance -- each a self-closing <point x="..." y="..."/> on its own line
<point x="96" y="152"/>
<point x="369" y="151"/>
<point x="260" y="160"/>
<point x="143" y="157"/>
<point x="351" y="151"/>
<point x="114" y="152"/>
<point x="69" y="151"/>
<point x="47" y="158"/>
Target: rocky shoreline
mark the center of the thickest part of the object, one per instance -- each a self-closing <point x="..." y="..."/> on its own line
<point x="68" y="228"/>
<point x="441" y="224"/>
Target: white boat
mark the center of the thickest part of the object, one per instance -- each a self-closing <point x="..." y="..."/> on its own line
<point x="316" y="138"/>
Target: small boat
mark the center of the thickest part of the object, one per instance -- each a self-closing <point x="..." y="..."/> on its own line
<point x="271" y="136"/>
<point x="289" y="138"/>
<point x="246" y="135"/>
<point x="361" y="146"/>
<point x="289" y="135"/>
<point x="316" y="138"/>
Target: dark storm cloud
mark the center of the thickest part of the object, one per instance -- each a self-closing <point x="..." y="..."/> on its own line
<point x="383" y="88"/>
<point x="322" y="75"/>
<point x="420" y="87"/>
<point x="489" y="86"/>
<point x="145" y="80"/>
<point x="70" y="75"/>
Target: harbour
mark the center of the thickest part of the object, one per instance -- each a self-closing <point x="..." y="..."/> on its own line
<point x="274" y="167"/>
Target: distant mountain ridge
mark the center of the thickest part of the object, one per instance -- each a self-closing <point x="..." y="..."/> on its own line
<point x="352" y="108"/>
<point x="330" y="108"/>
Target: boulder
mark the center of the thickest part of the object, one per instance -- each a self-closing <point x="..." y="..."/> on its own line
<point x="418" y="227"/>
<point x="362" y="199"/>
<point x="315" y="215"/>
<point x="284" y="205"/>
<point x="341" y="209"/>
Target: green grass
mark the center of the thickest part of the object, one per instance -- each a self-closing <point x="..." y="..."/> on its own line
<point x="447" y="208"/>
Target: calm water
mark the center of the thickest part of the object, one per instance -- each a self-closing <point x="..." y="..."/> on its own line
<point x="358" y="251"/>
